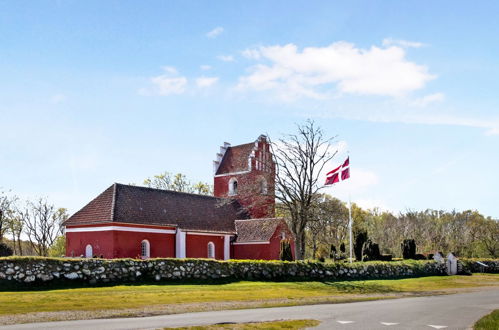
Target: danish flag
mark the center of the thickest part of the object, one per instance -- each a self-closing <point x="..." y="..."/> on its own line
<point x="340" y="173"/>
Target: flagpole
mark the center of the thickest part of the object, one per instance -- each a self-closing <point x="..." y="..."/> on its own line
<point x="350" y="225"/>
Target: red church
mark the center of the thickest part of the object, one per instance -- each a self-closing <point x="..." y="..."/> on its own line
<point x="239" y="222"/>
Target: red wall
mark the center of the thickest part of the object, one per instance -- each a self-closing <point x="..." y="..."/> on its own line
<point x="197" y="246"/>
<point x="120" y="244"/>
<point x="128" y="244"/>
<point x="264" y="251"/>
<point x="102" y="243"/>
<point x="259" y="205"/>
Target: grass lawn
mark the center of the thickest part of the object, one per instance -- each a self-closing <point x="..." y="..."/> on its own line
<point x="177" y="298"/>
<point x="275" y="325"/>
<point x="488" y="322"/>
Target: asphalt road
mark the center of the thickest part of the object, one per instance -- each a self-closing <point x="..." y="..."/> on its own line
<point x="457" y="311"/>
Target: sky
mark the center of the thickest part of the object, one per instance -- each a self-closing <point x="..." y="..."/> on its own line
<point x="97" y="92"/>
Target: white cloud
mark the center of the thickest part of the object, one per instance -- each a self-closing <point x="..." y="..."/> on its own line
<point x="206" y="81"/>
<point x="215" y="32"/>
<point x="493" y="130"/>
<point x="402" y="43"/>
<point x="317" y="72"/>
<point x="428" y="99"/>
<point x="491" y="125"/>
<point x="205" y="67"/>
<point x="371" y="204"/>
<point x="58" y="98"/>
<point x="359" y="184"/>
<point x="252" y="54"/>
<point x="170" y="70"/>
<point x="166" y="84"/>
<point x="226" y="58"/>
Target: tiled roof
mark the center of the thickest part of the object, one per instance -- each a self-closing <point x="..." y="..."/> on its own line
<point x="236" y="159"/>
<point x="141" y="205"/>
<point x="256" y="230"/>
<point x="100" y="209"/>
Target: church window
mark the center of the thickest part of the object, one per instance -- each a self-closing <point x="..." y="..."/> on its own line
<point x="211" y="250"/>
<point x="145" y="249"/>
<point x="89" y="251"/>
<point x="263" y="186"/>
<point x="232" y="187"/>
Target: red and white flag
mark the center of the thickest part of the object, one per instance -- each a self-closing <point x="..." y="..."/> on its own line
<point x="339" y="174"/>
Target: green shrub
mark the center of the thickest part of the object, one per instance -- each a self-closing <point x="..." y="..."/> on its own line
<point x="5" y="250"/>
<point x="408" y="247"/>
<point x="370" y="251"/>
<point x="360" y="239"/>
<point x="285" y="253"/>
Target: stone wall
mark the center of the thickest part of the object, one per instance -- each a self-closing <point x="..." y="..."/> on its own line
<point x="30" y="270"/>
<point x="474" y="265"/>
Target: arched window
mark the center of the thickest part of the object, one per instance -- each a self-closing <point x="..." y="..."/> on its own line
<point x="263" y="186"/>
<point x="89" y="251"/>
<point x="211" y="250"/>
<point x="232" y="187"/>
<point x="145" y="249"/>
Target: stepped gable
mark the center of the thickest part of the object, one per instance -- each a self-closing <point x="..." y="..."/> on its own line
<point x="236" y="159"/>
<point x="256" y="230"/>
<point x="148" y="206"/>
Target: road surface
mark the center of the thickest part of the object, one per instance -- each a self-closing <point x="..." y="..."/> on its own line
<point x="456" y="311"/>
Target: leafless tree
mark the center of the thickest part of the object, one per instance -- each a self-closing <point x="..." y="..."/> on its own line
<point x="15" y="227"/>
<point x="7" y="206"/>
<point x="328" y="226"/>
<point x="42" y="223"/>
<point x="300" y="159"/>
<point x="177" y="182"/>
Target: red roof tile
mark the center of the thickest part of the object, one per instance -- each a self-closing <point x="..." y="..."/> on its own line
<point x="141" y="205"/>
<point x="256" y="230"/>
<point x="100" y="209"/>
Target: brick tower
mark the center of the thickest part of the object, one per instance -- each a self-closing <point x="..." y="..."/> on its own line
<point x="246" y="173"/>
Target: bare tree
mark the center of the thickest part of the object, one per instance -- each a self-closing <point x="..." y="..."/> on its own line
<point x="177" y="182"/>
<point x="7" y="206"/>
<point x="300" y="160"/>
<point x="15" y="227"/>
<point x="42" y="223"/>
<point x="328" y="225"/>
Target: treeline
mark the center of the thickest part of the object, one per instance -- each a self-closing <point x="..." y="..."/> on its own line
<point x="466" y="234"/>
<point x="30" y="227"/>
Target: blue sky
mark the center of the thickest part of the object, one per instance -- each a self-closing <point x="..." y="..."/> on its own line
<point x="96" y="92"/>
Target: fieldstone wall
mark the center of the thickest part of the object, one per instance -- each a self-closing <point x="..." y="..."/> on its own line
<point x="29" y="270"/>
<point x="477" y="265"/>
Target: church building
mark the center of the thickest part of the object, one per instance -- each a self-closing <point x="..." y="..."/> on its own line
<point x="238" y="222"/>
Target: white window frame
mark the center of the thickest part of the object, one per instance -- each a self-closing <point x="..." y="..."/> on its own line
<point x="211" y="250"/>
<point x="263" y="186"/>
<point x="89" y="251"/>
<point x="145" y="245"/>
<point x="232" y="191"/>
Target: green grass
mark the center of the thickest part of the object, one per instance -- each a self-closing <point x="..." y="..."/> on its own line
<point x="274" y="325"/>
<point x="138" y="296"/>
<point x="488" y="322"/>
